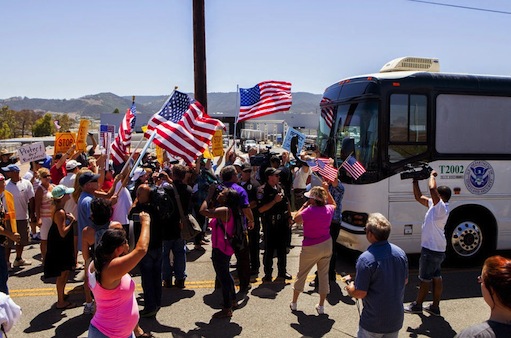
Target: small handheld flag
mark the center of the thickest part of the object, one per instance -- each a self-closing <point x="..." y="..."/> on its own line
<point x="353" y="167"/>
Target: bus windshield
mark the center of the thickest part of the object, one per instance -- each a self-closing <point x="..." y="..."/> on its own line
<point x="358" y="121"/>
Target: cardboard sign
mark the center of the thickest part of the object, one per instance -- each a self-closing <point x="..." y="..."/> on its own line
<point x="81" y="138"/>
<point x="291" y="132"/>
<point x="159" y="154"/>
<point x="217" y="143"/>
<point x="32" y="152"/>
<point x="63" y="141"/>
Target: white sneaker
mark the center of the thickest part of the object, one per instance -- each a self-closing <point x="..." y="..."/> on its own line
<point x="293" y="306"/>
<point x="320" y="309"/>
<point x="21" y="262"/>
<point x="89" y="309"/>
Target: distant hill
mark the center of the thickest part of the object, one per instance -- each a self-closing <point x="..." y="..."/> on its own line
<point x="94" y="105"/>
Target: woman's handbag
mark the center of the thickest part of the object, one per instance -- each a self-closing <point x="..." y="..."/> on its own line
<point x="189" y="225"/>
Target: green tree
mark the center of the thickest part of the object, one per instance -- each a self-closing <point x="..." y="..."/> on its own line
<point x="43" y="126"/>
<point x="116" y="111"/>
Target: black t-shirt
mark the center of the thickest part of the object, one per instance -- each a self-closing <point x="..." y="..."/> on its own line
<point x="279" y="212"/>
<point x="171" y="229"/>
<point x="156" y="227"/>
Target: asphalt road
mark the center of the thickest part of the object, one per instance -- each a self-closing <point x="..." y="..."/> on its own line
<point x="264" y="311"/>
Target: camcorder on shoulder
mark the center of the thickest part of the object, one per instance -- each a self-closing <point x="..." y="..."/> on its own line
<point x="420" y="172"/>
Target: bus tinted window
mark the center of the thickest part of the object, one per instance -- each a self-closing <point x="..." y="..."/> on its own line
<point x="408" y="122"/>
<point x="470" y="124"/>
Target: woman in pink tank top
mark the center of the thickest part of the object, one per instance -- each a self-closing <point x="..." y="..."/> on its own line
<point x="224" y="215"/>
<point x="114" y="291"/>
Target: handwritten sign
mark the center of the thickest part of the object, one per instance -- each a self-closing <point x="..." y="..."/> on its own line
<point x="291" y="132"/>
<point x="32" y="152"/>
<point x="81" y="139"/>
<point x="217" y="144"/>
<point x="63" y="141"/>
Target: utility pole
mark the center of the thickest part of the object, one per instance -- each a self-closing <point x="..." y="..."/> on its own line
<point x="199" y="53"/>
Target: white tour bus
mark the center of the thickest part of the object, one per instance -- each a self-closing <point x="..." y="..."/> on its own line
<point x="410" y="115"/>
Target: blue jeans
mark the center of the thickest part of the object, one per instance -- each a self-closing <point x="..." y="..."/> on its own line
<point x="429" y="264"/>
<point x="179" y="267"/>
<point x="4" y="273"/>
<point x="150" y="271"/>
<point x="95" y="333"/>
<point x="223" y="275"/>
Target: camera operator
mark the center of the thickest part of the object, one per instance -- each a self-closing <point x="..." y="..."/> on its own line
<point x="276" y="216"/>
<point x="382" y="274"/>
<point x="7" y="223"/>
<point x="433" y="244"/>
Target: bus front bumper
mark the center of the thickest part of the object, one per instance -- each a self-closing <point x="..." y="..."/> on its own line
<point x="353" y="237"/>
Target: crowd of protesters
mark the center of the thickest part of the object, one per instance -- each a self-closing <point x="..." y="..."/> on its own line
<point x="78" y="202"/>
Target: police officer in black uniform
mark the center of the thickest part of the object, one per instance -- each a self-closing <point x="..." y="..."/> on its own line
<point x="251" y="186"/>
<point x="276" y="215"/>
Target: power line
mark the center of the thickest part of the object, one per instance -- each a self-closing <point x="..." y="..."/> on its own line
<point x="463" y="7"/>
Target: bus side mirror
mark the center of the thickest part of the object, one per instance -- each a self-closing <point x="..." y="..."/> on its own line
<point x="347" y="147"/>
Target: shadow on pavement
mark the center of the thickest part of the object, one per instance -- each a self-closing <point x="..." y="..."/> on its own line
<point x="269" y="290"/>
<point x="74" y="327"/>
<point x="45" y="320"/>
<point x="193" y="255"/>
<point x="312" y="325"/>
<point x="432" y="326"/>
<point x="222" y="328"/>
<point x="335" y="296"/>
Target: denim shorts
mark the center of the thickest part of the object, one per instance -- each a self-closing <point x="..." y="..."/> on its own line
<point x="95" y="333"/>
<point x="429" y="264"/>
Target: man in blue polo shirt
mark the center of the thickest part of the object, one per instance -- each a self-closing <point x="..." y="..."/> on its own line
<point x="382" y="274"/>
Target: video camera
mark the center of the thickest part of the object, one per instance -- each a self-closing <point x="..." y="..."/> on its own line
<point x="262" y="159"/>
<point x="420" y="172"/>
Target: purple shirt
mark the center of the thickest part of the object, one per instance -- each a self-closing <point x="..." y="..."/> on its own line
<point x="244" y="203"/>
<point x="316" y="224"/>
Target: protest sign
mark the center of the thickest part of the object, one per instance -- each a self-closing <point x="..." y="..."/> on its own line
<point x="63" y="141"/>
<point x="217" y="144"/>
<point x="291" y="132"/>
<point x="32" y="152"/>
<point x="81" y="138"/>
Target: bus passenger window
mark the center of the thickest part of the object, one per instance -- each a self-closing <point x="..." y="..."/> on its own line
<point x="408" y="126"/>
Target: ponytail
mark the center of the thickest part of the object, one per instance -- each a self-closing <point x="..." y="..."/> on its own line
<point x="110" y="240"/>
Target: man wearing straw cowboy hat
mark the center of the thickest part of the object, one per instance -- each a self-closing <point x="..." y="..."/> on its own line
<point x="5" y="157"/>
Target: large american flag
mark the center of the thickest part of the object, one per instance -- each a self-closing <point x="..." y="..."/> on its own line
<point x="183" y="128"/>
<point x="323" y="167"/>
<point x="327" y="113"/>
<point x="264" y="98"/>
<point x="123" y="140"/>
<point x="353" y="167"/>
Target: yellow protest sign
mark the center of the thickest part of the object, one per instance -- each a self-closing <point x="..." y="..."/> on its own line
<point x="207" y="153"/>
<point x="159" y="154"/>
<point x="81" y="138"/>
<point x="144" y="128"/>
<point x="63" y="141"/>
<point x="217" y="143"/>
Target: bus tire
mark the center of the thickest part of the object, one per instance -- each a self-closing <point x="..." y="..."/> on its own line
<point x="469" y="238"/>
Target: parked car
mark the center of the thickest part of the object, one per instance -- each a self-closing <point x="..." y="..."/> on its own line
<point x="249" y="144"/>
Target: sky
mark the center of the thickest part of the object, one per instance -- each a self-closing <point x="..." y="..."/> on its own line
<point x="68" y="49"/>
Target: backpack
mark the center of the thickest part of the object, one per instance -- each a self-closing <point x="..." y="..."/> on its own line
<point x="239" y="239"/>
<point x="161" y="199"/>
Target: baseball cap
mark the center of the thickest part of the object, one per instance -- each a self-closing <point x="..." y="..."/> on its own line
<point x="71" y="164"/>
<point x="138" y="172"/>
<point x="246" y="167"/>
<point x="271" y="171"/>
<point x="87" y="177"/>
<point x="238" y="162"/>
<point x="60" y="190"/>
<point x="11" y="167"/>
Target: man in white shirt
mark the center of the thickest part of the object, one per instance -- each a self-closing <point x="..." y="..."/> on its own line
<point x="433" y="244"/>
<point x="72" y="168"/>
<point x="23" y="194"/>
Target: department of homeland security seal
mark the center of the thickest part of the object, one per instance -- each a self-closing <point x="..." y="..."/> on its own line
<point x="479" y="177"/>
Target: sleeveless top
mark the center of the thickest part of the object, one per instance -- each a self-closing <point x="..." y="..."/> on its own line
<point x="117" y="309"/>
<point x="219" y="236"/>
<point x="46" y="203"/>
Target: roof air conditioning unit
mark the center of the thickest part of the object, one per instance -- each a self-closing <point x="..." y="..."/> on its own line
<point x="411" y="64"/>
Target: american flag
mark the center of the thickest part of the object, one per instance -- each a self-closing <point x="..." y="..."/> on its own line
<point x="323" y="167"/>
<point x="327" y="112"/>
<point x="353" y="167"/>
<point x="187" y="130"/>
<point x="123" y="140"/>
<point x="264" y="98"/>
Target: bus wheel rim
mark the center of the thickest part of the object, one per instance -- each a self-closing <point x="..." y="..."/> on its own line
<point x="467" y="239"/>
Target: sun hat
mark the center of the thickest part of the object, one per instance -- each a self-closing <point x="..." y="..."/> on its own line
<point x="60" y="190"/>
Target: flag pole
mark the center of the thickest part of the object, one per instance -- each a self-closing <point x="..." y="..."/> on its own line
<point x="138" y="145"/>
<point x="151" y="138"/>
<point x="237" y="115"/>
